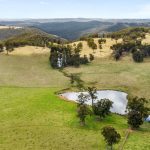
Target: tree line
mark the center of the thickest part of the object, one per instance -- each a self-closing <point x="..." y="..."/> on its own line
<point x="62" y="56"/>
<point x="132" y="43"/>
<point x="139" y="51"/>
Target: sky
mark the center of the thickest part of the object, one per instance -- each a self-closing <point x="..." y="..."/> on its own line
<point x="106" y="9"/>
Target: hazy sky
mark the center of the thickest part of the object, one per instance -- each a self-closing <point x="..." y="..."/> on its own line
<point x="74" y="9"/>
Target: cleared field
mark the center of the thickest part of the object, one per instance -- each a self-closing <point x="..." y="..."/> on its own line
<point x="29" y="71"/>
<point x="30" y="50"/>
<point x="34" y="118"/>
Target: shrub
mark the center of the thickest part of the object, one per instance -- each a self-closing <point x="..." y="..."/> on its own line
<point x="111" y="136"/>
<point x="101" y="41"/>
<point x="137" y="111"/>
<point x="82" y="108"/>
<point x="135" y="119"/>
<point x="102" y="108"/>
<point x="138" y="56"/>
<point x="91" y="43"/>
<point x="100" y="46"/>
<point x="117" y="55"/>
<point x="91" y="57"/>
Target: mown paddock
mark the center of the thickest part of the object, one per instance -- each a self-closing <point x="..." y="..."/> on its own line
<point x="35" y="118"/>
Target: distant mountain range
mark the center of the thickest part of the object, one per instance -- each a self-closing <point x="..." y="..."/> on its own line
<point x="72" y="29"/>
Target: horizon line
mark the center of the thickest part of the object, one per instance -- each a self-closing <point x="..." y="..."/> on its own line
<point x="75" y="18"/>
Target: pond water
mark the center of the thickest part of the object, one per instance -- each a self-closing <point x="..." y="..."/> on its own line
<point x="119" y="99"/>
<point x="148" y="119"/>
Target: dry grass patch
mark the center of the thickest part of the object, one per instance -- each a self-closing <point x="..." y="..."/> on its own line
<point x="147" y="39"/>
<point x="30" y="50"/>
<point x="125" y="75"/>
<point x="100" y="53"/>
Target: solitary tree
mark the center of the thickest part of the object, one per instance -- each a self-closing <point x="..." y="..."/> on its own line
<point x="91" y="57"/>
<point x="82" y="108"/>
<point x="137" y="111"/>
<point x="138" y="56"/>
<point x="92" y="92"/>
<point x="111" y="136"/>
<point x="102" y="108"/>
<point x="82" y="112"/>
<point x="9" y="47"/>
<point x="135" y="119"/>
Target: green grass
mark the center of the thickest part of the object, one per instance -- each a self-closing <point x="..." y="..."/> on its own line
<point x="139" y="140"/>
<point x="33" y="117"/>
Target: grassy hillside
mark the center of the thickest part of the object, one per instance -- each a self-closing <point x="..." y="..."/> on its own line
<point x="99" y="53"/>
<point x="29" y="50"/>
<point x="29" y="71"/>
<point x="106" y="51"/>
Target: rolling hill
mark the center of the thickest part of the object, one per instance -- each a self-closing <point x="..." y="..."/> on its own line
<point x="31" y="36"/>
<point x="72" y="29"/>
